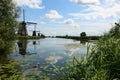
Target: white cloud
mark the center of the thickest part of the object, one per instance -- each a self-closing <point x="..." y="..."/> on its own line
<point x="71" y="51"/>
<point x="53" y="59"/>
<point x="53" y="14"/>
<point x="42" y="23"/>
<point x="107" y="10"/>
<point x="111" y="2"/>
<point x="37" y="4"/>
<point x="85" y="2"/>
<point x="71" y="22"/>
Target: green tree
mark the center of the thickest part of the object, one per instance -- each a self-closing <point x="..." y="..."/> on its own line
<point x="83" y="34"/>
<point x="115" y="30"/>
<point x="8" y="14"/>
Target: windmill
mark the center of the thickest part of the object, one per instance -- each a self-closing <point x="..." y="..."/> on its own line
<point x="22" y="31"/>
<point x="38" y="33"/>
<point x="35" y="33"/>
<point x="34" y="24"/>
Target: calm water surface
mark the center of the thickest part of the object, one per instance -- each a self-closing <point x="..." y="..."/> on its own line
<point x="41" y="55"/>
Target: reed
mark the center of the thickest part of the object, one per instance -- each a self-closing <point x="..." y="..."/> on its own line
<point x="102" y="63"/>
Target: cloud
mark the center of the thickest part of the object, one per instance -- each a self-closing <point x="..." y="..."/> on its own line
<point x="53" y="59"/>
<point x="99" y="12"/>
<point x="53" y="14"/>
<point x="36" y="4"/>
<point x="111" y="2"/>
<point x="71" y="51"/>
<point x="68" y="21"/>
<point x="71" y="22"/>
<point x="104" y="10"/>
<point x="85" y="2"/>
<point x="42" y="23"/>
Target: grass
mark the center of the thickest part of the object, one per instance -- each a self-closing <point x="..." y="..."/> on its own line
<point x="102" y="63"/>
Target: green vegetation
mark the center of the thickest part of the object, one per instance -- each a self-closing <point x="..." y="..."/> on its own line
<point x="8" y="71"/>
<point x="115" y="31"/>
<point x="83" y="34"/>
<point x="29" y="37"/>
<point x="80" y="37"/>
<point x="101" y="63"/>
<point x="9" y="68"/>
<point x="8" y="14"/>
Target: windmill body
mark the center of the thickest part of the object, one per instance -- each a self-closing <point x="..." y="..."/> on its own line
<point x="22" y="31"/>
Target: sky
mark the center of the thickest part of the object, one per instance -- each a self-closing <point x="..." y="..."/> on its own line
<point x="70" y="17"/>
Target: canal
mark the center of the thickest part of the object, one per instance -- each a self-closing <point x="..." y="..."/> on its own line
<point x="43" y="56"/>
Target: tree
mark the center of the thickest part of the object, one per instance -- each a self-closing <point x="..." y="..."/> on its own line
<point x="83" y="34"/>
<point x="8" y="14"/>
<point x="42" y="35"/>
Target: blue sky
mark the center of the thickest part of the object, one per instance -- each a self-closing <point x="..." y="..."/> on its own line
<point x="70" y="17"/>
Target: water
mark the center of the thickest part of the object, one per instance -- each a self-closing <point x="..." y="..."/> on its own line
<point x="41" y="56"/>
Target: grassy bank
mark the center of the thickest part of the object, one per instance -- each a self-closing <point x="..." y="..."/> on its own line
<point x="80" y="38"/>
<point x="29" y="37"/>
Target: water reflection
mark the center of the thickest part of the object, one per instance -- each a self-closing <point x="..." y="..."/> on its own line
<point x="71" y="51"/>
<point x="22" y="45"/>
<point x="83" y="42"/>
<point x="53" y="59"/>
<point x="34" y="42"/>
<point x="45" y="52"/>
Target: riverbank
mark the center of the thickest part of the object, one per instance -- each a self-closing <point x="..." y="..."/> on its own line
<point x="29" y="37"/>
<point x="86" y="38"/>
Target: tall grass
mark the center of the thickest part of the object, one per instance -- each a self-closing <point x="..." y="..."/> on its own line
<point x="102" y="63"/>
